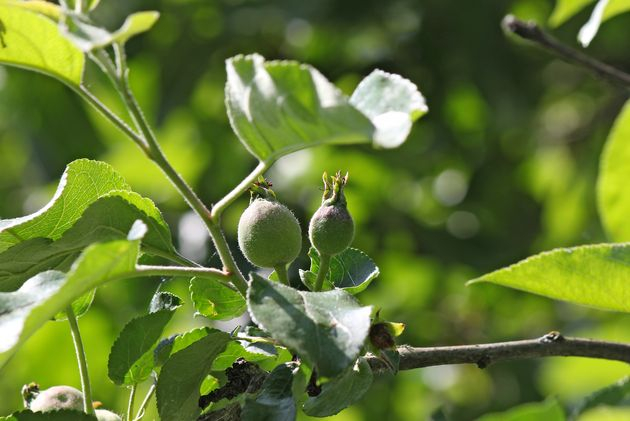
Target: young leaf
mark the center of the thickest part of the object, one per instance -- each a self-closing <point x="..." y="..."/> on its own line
<point x="613" y="395"/>
<point x="24" y="311"/>
<point x="275" y="401"/>
<point x="131" y="358"/>
<point x="392" y="103"/>
<point x="80" y="306"/>
<point x="32" y="41"/>
<point x="341" y="392"/>
<point x="352" y="270"/>
<point x="215" y="300"/>
<point x="181" y="377"/>
<point x="278" y="107"/>
<point x="613" y="192"/>
<point x="81" y="184"/>
<point x="327" y="329"/>
<point x="566" y="9"/>
<point x="549" y="410"/>
<point x="593" y="275"/>
<point x="135" y="24"/>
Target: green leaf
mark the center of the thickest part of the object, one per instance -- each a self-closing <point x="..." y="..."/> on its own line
<point x="351" y="270"/>
<point x="252" y="352"/>
<point x="566" y="9"/>
<point x="32" y="41"/>
<point x="80" y="306"/>
<point x="131" y="358"/>
<point x="613" y="191"/>
<point x="275" y="401"/>
<point x="43" y="7"/>
<point x="24" y="311"/>
<point x="278" y="107"/>
<point x="81" y="184"/>
<point x="549" y="410"/>
<point x="327" y="329"/>
<point x="95" y="225"/>
<point x="341" y="392"/>
<point x="181" y="377"/>
<point x="61" y="415"/>
<point x="215" y="300"/>
<point x="612" y="395"/>
<point x="392" y="103"/>
<point x="594" y="275"/>
<point x="135" y="24"/>
<point x="169" y="346"/>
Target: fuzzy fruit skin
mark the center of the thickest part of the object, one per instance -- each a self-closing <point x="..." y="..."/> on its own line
<point x="57" y="397"/>
<point x="331" y="229"/>
<point x="268" y="234"/>
<point x="105" y="415"/>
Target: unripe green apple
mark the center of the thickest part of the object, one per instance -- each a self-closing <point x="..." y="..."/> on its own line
<point x="57" y="397"/>
<point x="331" y="229"/>
<point x="105" y="415"/>
<point x="269" y="235"/>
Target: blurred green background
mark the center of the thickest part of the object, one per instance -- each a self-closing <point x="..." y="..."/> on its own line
<point x="503" y="166"/>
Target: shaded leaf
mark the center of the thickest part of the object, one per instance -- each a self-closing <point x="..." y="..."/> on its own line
<point x="327" y="329"/>
<point x="97" y="264"/>
<point x="131" y="358"/>
<point x="215" y="300"/>
<point x="61" y="415"/>
<point x="613" y="191"/>
<point x="341" y="392"/>
<point x="275" y="401"/>
<point x="613" y="395"/>
<point x="392" y="103"/>
<point x="593" y="275"/>
<point x="351" y="270"/>
<point x="549" y="410"/>
<point x="182" y="375"/>
<point x="32" y="41"/>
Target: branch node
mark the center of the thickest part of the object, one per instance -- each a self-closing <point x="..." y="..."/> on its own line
<point x="551" y="337"/>
<point x="484" y="362"/>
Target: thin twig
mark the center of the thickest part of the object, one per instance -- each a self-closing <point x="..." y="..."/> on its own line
<point x="550" y="345"/>
<point x="532" y="32"/>
<point x="86" y="388"/>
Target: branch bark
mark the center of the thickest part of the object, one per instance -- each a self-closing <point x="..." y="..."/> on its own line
<point x="552" y="344"/>
<point x="532" y="32"/>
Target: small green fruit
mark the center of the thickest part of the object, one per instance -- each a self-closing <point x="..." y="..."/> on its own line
<point x="105" y="415"/>
<point x="268" y="234"/>
<point x="331" y="229"/>
<point x="57" y="397"/>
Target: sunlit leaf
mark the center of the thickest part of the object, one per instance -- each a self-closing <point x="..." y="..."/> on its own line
<point x="135" y="24"/>
<point x="327" y="329"/>
<point x="24" y="311"/>
<point x="252" y="352"/>
<point x="32" y="41"/>
<point x="593" y="275"/>
<point x="613" y="189"/>
<point x="278" y="107"/>
<point x="215" y="300"/>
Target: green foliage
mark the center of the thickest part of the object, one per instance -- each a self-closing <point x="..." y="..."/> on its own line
<point x="216" y="301"/>
<point x="593" y="275"/>
<point x="566" y="9"/>
<point x="182" y="375"/>
<point x="341" y="392"/>
<point x="131" y="358"/>
<point x="549" y="410"/>
<point x="63" y="415"/>
<point x="25" y="310"/>
<point x="613" y="199"/>
<point x="612" y="395"/>
<point x="32" y="41"/>
<point x="352" y="270"/>
<point x="326" y="329"/>
<point x="275" y="401"/>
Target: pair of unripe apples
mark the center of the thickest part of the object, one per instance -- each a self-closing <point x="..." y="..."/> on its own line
<point x="269" y="235"/>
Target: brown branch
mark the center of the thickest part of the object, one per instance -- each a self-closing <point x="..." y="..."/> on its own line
<point x="532" y="32"/>
<point x="550" y="345"/>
